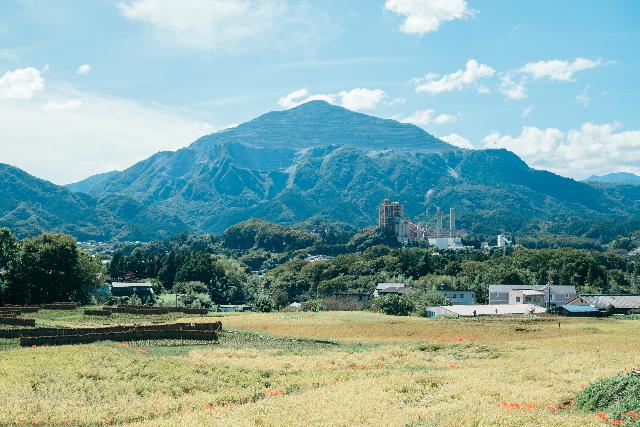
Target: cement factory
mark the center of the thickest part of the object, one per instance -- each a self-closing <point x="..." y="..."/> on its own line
<point x="391" y="215"/>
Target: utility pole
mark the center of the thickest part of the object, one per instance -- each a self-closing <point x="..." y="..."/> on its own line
<point x="549" y="283"/>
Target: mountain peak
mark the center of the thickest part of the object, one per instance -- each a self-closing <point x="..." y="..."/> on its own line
<point x="318" y="123"/>
<point x="316" y="104"/>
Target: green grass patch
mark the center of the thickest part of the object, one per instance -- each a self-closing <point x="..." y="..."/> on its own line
<point x="618" y="397"/>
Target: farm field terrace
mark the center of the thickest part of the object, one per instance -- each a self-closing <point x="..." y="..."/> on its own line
<point x="327" y="368"/>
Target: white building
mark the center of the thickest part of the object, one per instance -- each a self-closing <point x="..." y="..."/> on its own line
<point x="484" y="310"/>
<point x="447" y="243"/>
<point x="520" y="294"/>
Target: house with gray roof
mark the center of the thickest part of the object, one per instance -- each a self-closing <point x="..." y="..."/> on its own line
<point x="144" y="290"/>
<point x="391" y="289"/>
<point x="623" y="304"/>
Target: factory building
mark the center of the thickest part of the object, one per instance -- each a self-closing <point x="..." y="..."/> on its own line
<point x="391" y="214"/>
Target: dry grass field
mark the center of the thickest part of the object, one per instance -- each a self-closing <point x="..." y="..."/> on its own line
<point x="329" y="368"/>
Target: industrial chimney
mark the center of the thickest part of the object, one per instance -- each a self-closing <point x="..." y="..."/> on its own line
<point x="438" y="223"/>
<point x="452" y="222"/>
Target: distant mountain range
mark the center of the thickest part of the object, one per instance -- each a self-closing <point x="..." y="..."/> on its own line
<point x="316" y="162"/>
<point x="616" y="178"/>
<point x="29" y="206"/>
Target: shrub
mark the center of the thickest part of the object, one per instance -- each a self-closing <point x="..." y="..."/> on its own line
<point x="134" y="300"/>
<point x="616" y="396"/>
<point x="610" y="310"/>
<point x="191" y="287"/>
<point x="263" y="305"/>
<point x="338" y="304"/>
<point x="112" y="300"/>
<point x="313" y="305"/>
<point x="425" y="299"/>
<point x="396" y="305"/>
<point x="196" y="300"/>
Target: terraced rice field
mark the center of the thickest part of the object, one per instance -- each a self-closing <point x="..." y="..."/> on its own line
<point x="329" y="368"/>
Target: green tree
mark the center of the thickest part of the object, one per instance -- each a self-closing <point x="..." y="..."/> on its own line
<point x="396" y="305"/>
<point x="51" y="268"/>
<point x="8" y="256"/>
<point x="117" y="267"/>
<point x="167" y="272"/>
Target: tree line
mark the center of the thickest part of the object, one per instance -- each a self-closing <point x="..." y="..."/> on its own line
<point x="257" y="260"/>
<point x="359" y="262"/>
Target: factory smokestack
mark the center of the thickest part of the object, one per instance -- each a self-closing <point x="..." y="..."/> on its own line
<point x="438" y="223"/>
<point x="452" y="222"/>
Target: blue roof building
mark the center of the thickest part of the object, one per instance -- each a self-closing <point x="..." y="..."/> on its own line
<point x="579" y="311"/>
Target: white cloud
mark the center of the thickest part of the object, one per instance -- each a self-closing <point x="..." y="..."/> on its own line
<point x="361" y="98"/>
<point x="106" y="133"/>
<point x="301" y="96"/>
<point x="469" y="77"/>
<point x="557" y="69"/>
<point x="212" y="25"/>
<point x="62" y="105"/>
<point x="84" y="69"/>
<point x="21" y="83"/>
<point x="527" y="111"/>
<point x="427" y="117"/>
<point x="425" y="16"/>
<point x="457" y="140"/>
<point x="592" y="149"/>
<point x="513" y="82"/>
<point x="512" y="87"/>
<point x="358" y="99"/>
<point x="583" y="99"/>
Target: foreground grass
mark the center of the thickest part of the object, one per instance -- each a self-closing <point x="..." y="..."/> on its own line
<point x="324" y="369"/>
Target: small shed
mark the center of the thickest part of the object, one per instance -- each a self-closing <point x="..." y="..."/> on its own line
<point x="579" y="311"/>
<point x="143" y="290"/>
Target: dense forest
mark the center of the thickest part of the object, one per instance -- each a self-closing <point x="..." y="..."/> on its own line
<point x="257" y="259"/>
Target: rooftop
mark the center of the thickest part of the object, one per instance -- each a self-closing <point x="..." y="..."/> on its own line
<point x="389" y="285"/>
<point x="493" y="309"/>
<point x="579" y="308"/>
<point x="131" y="285"/>
<point x="560" y="289"/>
<point x="618" y="301"/>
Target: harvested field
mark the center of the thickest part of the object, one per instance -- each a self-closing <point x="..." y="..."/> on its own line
<point x="299" y="368"/>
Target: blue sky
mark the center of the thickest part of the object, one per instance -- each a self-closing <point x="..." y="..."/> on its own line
<point x="554" y="81"/>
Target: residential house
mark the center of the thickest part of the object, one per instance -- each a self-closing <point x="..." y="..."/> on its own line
<point x="459" y="297"/>
<point x="512" y="294"/>
<point x="391" y="289"/>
